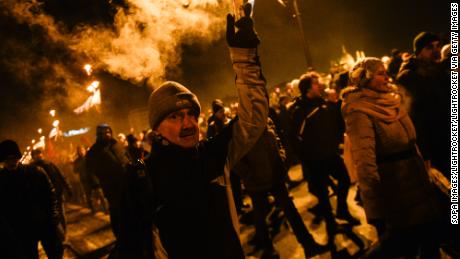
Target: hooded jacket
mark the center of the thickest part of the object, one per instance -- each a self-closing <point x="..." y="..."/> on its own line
<point x="392" y="177"/>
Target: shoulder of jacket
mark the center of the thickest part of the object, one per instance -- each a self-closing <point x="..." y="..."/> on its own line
<point x="32" y="170"/>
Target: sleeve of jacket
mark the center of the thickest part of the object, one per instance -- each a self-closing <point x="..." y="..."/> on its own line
<point x="63" y="180"/>
<point x="416" y="97"/>
<point x="253" y="103"/>
<point x="52" y="234"/>
<point x="361" y="132"/>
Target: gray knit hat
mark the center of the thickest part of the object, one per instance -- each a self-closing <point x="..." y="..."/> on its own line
<point x="169" y="97"/>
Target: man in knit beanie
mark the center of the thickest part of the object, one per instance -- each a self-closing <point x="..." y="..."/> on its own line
<point x="29" y="208"/>
<point x="420" y="76"/>
<point x="218" y="119"/>
<point x="188" y="179"/>
<point x="427" y="46"/>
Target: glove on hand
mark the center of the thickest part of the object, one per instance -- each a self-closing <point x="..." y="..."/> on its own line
<point x="246" y="37"/>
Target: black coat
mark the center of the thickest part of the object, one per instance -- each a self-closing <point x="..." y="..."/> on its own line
<point x="425" y="96"/>
<point x="29" y="214"/>
<point x="191" y="210"/>
<point x="107" y="161"/>
<point x="318" y="127"/>
<point x="57" y="179"/>
<point x="87" y="180"/>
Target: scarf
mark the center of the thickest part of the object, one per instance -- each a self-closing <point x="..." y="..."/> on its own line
<point x="385" y="106"/>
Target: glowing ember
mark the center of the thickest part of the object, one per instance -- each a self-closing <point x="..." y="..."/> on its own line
<point x="28" y="148"/>
<point x="55" y="123"/>
<point x="88" y="69"/>
<point x="53" y="113"/>
<point x="39" y="131"/>
<point x="33" y="141"/>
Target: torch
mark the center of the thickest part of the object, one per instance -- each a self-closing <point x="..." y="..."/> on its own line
<point x="238" y="8"/>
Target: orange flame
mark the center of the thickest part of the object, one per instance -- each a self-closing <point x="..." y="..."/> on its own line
<point x="88" y="69"/>
<point x="53" y="113"/>
<point x="55" y="123"/>
<point x="93" y="86"/>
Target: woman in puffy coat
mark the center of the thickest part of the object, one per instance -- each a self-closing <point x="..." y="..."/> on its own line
<point x="395" y="188"/>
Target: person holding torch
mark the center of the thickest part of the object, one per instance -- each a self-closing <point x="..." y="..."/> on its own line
<point x="185" y="188"/>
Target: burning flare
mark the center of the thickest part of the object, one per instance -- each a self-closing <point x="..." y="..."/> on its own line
<point x="88" y="69"/>
<point x="56" y="123"/>
<point x="93" y="100"/>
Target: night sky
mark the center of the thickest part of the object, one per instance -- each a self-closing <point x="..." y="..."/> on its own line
<point x="29" y="88"/>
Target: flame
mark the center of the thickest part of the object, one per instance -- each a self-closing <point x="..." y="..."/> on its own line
<point x="53" y="113"/>
<point x="93" y="100"/>
<point x="56" y="123"/>
<point x="145" y="38"/>
<point x="93" y="86"/>
<point x="28" y="147"/>
<point x="40" y="144"/>
<point x="53" y="133"/>
<point x="33" y="141"/>
<point x="39" y="131"/>
<point x="88" y="69"/>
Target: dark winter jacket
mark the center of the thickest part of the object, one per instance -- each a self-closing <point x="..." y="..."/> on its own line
<point x="318" y="128"/>
<point x="215" y="126"/>
<point x="107" y="161"/>
<point x="192" y="202"/>
<point x="88" y="180"/>
<point x="57" y="179"/>
<point x="29" y="214"/>
<point x="421" y="83"/>
<point x="191" y="211"/>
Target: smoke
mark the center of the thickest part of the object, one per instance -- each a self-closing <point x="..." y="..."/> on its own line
<point x="144" y="40"/>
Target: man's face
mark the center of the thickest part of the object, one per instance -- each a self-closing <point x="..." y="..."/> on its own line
<point x="11" y="163"/>
<point x="81" y="151"/>
<point x="316" y="88"/>
<point x="180" y="128"/>
<point x="431" y="52"/>
<point x="38" y="156"/>
<point x="106" y="134"/>
<point x="220" y="115"/>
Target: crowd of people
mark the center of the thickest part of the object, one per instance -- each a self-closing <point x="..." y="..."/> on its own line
<point x="184" y="180"/>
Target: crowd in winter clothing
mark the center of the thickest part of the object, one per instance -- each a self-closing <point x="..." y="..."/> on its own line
<point x="182" y="182"/>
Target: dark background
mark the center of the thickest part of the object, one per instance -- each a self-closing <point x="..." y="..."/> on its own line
<point x="26" y="94"/>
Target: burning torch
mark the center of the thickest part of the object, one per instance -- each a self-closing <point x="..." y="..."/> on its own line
<point x="238" y="10"/>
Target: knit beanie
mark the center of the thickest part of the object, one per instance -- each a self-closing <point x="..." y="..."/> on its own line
<point x="217" y="105"/>
<point x="170" y="97"/>
<point x="422" y="40"/>
<point x="9" y="149"/>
